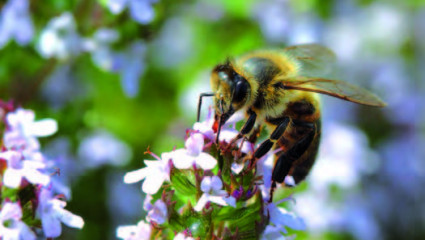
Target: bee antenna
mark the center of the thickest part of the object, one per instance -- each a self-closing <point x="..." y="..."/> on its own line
<point x="198" y="116"/>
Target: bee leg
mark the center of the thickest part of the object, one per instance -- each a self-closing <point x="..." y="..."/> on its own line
<point x="255" y="134"/>
<point x="268" y="144"/>
<point x="285" y="160"/>
<point x="246" y="128"/>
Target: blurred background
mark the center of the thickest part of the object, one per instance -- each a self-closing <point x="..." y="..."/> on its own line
<point x="122" y="75"/>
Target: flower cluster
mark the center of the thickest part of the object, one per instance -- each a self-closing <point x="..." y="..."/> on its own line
<point x="29" y="193"/>
<point x="206" y="191"/>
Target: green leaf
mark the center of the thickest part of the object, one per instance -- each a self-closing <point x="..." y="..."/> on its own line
<point x="183" y="182"/>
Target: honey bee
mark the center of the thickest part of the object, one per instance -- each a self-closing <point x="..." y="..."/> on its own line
<point x="280" y="88"/>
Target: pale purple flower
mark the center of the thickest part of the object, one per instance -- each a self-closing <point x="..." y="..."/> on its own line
<point x="51" y="212"/>
<point x="264" y="168"/>
<point x="182" y="236"/>
<point x="15" y="23"/>
<point x="192" y="154"/>
<point x="281" y="218"/>
<point x="140" y="10"/>
<point x="22" y="130"/>
<point x="60" y="38"/>
<point x="18" y="168"/>
<point x="176" y="31"/>
<point x="272" y="233"/>
<point x="100" y="47"/>
<point x="158" y="212"/>
<point x="129" y="63"/>
<point x="274" y="19"/>
<point x="237" y="167"/>
<point x="342" y="165"/>
<point x="212" y="188"/>
<point x="102" y="148"/>
<point x="205" y="127"/>
<point x="155" y="173"/>
<point x="131" y="66"/>
<point x="141" y="231"/>
<point x="11" y="226"/>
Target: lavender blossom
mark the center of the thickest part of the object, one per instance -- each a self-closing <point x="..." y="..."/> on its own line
<point x="25" y="167"/>
<point x="15" y="23"/>
<point x="11" y="225"/>
<point x="141" y="231"/>
<point x="208" y="191"/>
<point x="51" y="212"/>
<point x="140" y="10"/>
<point x="154" y="174"/>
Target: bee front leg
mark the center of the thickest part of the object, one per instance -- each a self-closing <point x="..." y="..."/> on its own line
<point x="246" y="128"/>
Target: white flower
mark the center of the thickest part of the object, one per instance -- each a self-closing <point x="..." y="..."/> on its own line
<point x="141" y="231"/>
<point x="51" y="212"/>
<point x="155" y="173"/>
<point x="212" y="188"/>
<point x="158" y="212"/>
<point x="23" y="130"/>
<point x="182" y="236"/>
<point x="18" y="168"/>
<point x="60" y="38"/>
<point x="192" y="154"/>
<point x="15" y="229"/>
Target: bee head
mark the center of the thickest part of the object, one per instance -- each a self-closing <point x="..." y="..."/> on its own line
<point x="231" y="90"/>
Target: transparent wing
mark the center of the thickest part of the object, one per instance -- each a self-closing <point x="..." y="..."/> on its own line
<point x="335" y="88"/>
<point x="316" y="60"/>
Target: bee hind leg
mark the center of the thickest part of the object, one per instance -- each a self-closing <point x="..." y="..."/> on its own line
<point x="286" y="159"/>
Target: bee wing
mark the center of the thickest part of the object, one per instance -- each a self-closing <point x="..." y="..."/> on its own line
<point x="335" y="88"/>
<point x="316" y="60"/>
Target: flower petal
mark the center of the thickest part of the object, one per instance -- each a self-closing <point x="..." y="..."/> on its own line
<point x="25" y="232"/>
<point x="201" y="202"/>
<point x="216" y="184"/>
<point x="136" y="176"/>
<point x="153" y="181"/>
<point x="12" y="178"/>
<point x="116" y="6"/>
<point x="194" y="144"/>
<point x="181" y="159"/>
<point x="206" y="161"/>
<point x="141" y="11"/>
<point x="280" y="216"/>
<point x="206" y="184"/>
<point x="45" y="127"/>
<point x="218" y="200"/>
<point x="11" y="211"/>
<point x="36" y="177"/>
<point x="70" y="219"/>
<point x="158" y="213"/>
<point x="51" y="225"/>
<point x="236" y="167"/>
<point x="272" y="233"/>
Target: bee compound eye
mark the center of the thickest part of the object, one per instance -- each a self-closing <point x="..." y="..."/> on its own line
<point x="240" y="90"/>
